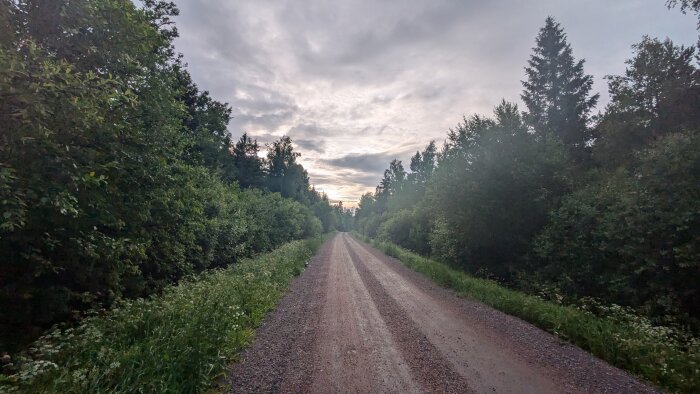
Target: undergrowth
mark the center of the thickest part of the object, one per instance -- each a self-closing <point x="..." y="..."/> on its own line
<point x="179" y="341"/>
<point x="665" y="356"/>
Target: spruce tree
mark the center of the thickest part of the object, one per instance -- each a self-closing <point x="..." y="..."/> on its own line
<point x="247" y="167"/>
<point x="557" y="91"/>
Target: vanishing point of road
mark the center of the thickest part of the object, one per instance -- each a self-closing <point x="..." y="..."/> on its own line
<point x="358" y="321"/>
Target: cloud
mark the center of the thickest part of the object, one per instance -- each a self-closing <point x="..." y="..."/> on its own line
<point x="309" y="130"/>
<point x="364" y="179"/>
<point x="367" y="162"/>
<point x="359" y="82"/>
<point x="316" y="146"/>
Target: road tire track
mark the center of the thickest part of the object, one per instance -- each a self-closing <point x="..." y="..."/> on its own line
<point x="355" y="350"/>
<point x="425" y="360"/>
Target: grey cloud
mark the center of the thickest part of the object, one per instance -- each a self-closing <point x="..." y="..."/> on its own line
<point x="310" y="130"/>
<point x="311" y="145"/>
<point x="427" y="92"/>
<point x="261" y="105"/>
<point x="381" y="99"/>
<point x="268" y="121"/>
<point x="254" y="106"/>
<point x="367" y="162"/>
<point x="310" y="136"/>
<point x="370" y="40"/>
<point x="366" y="180"/>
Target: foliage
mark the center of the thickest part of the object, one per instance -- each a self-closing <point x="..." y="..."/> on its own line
<point x="175" y="342"/>
<point x="552" y="201"/>
<point x="685" y="5"/>
<point x="284" y="174"/>
<point x="659" y="94"/>
<point x="246" y="166"/>
<point x="409" y="228"/>
<point x="275" y="220"/>
<point x="636" y="238"/>
<point x="117" y="174"/>
<point x="557" y="91"/>
<point x="487" y="165"/>
<point x="88" y="118"/>
<point x="666" y="356"/>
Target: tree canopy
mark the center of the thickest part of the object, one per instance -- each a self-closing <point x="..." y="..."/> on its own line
<point x="515" y="196"/>
<point x="118" y="175"/>
<point x="557" y="91"/>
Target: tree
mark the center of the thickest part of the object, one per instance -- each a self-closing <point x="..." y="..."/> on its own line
<point x="422" y="167"/>
<point x="110" y="159"/>
<point x="632" y="236"/>
<point x="492" y="191"/>
<point x="206" y="121"/>
<point x="244" y="165"/>
<point x="393" y="180"/>
<point x="685" y="4"/>
<point x="693" y="5"/>
<point x="91" y="155"/>
<point x="368" y="214"/>
<point x="557" y="91"/>
<point x="658" y="94"/>
<point x="323" y="209"/>
<point x="284" y="174"/>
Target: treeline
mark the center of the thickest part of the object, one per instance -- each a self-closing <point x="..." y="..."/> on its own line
<point x="562" y="203"/>
<point x="117" y="174"/>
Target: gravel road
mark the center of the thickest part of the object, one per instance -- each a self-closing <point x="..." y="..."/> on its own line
<point x="359" y="321"/>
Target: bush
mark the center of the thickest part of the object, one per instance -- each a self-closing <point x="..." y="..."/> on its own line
<point x="633" y="237"/>
<point x="397" y="228"/>
<point x="408" y="228"/>
<point x="273" y="220"/>
<point x="444" y="243"/>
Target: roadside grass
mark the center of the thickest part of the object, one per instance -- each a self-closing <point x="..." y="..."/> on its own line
<point x="179" y="341"/>
<point x="664" y="356"/>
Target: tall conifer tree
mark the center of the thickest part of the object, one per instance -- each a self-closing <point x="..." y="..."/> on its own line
<point x="557" y="91"/>
<point x="247" y="167"/>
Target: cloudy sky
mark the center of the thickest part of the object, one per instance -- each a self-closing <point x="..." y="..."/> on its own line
<point x="356" y="83"/>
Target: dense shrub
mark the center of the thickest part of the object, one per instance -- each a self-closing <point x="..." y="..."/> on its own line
<point x="408" y="228"/>
<point x="633" y="237"/>
<point x="397" y="228"/>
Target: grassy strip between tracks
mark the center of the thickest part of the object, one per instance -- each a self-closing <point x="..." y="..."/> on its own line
<point x="661" y="355"/>
<point x="179" y="341"/>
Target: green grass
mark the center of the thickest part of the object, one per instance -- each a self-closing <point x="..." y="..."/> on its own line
<point x="666" y="357"/>
<point x="180" y="341"/>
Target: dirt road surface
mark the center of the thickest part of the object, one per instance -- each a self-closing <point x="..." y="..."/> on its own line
<point x="359" y="321"/>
